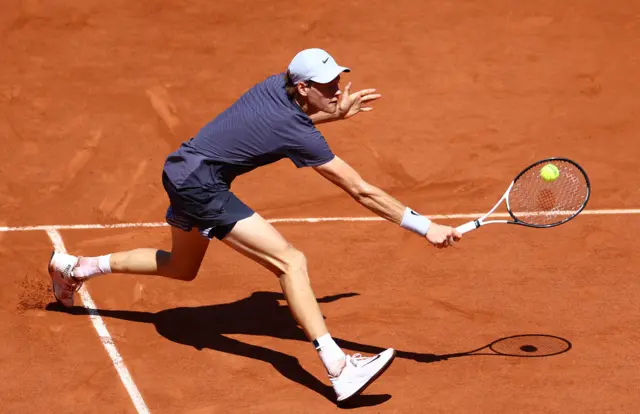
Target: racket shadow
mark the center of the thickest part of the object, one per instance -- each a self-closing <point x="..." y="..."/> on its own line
<point x="515" y="346"/>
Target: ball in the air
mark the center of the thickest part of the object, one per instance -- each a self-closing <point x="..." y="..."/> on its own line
<point x="549" y="173"/>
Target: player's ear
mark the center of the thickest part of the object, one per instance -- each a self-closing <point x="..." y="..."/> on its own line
<point x="303" y="88"/>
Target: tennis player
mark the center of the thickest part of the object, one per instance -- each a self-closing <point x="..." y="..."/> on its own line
<point x="275" y="119"/>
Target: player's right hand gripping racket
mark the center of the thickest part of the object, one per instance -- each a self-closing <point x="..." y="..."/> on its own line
<point x="535" y="202"/>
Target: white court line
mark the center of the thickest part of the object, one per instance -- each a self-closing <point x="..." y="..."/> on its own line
<point x="296" y="220"/>
<point x="103" y="333"/>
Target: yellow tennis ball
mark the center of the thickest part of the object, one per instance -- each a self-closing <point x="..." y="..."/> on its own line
<point x="549" y="173"/>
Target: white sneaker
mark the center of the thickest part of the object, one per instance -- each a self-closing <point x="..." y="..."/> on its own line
<point x="64" y="285"/>
<point x="359" y="372"/>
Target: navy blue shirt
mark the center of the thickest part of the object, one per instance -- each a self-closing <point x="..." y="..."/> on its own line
<point x="261" y="127"/>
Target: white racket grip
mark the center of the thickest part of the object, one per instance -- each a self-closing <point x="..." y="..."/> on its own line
<point x="467" y="227"/>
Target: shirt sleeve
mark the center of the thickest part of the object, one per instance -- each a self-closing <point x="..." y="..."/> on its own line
<point x="310" y="151"/>
<point x="306" y="147"/>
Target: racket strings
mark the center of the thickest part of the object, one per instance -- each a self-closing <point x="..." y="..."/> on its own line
<point x="536" y="201"/>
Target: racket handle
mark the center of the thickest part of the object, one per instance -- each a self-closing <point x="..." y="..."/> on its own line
<point x="467" y="227"/>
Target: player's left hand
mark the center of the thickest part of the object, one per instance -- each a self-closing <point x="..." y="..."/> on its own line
<point x="351" y="104"/>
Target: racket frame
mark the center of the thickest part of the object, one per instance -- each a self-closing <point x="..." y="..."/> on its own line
<point x="474" y="224"/>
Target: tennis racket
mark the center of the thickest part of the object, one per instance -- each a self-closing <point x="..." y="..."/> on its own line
<point x="535" y="202"/>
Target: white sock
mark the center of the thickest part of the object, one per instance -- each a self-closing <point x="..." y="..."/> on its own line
<point x="92" y="266"/>
<point x="104" y="263"/>
<point x="331" y="355"/>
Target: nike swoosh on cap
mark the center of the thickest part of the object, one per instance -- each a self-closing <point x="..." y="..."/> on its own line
<point x="326" y="60"/>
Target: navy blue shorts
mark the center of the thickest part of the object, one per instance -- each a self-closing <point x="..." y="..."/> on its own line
<point x="213" y="213"/>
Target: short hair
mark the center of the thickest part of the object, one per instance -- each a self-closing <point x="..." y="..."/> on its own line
<point x="289" y="86"/>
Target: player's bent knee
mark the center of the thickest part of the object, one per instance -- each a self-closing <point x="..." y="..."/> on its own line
<point x="179" y="271"/>
<point x="187" y="275"/>
<point x="293" y="261"/>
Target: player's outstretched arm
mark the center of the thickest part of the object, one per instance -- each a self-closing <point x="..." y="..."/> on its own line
<point x="384" y="205"/>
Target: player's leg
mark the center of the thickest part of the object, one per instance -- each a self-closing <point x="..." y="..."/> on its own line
<point x="257" y="239"/>
<point x="182" y="262"/>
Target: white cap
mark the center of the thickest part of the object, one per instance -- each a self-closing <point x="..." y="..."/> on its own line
<point x="315" y="65"/>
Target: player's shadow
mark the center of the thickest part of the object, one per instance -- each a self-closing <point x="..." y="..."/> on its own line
<point x="261" y="314"/>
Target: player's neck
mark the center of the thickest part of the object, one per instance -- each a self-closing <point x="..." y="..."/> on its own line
<point x="304" y="106"/>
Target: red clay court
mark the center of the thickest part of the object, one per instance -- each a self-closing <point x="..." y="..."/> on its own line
<point x="93" y="96"/>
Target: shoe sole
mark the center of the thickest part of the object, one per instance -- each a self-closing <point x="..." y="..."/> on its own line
<point x="53" y="253"/>
<point x="51" y="270"/>
<point x="366" y="384"/>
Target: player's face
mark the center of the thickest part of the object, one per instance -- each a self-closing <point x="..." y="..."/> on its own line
<point x="324" y="96"/>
